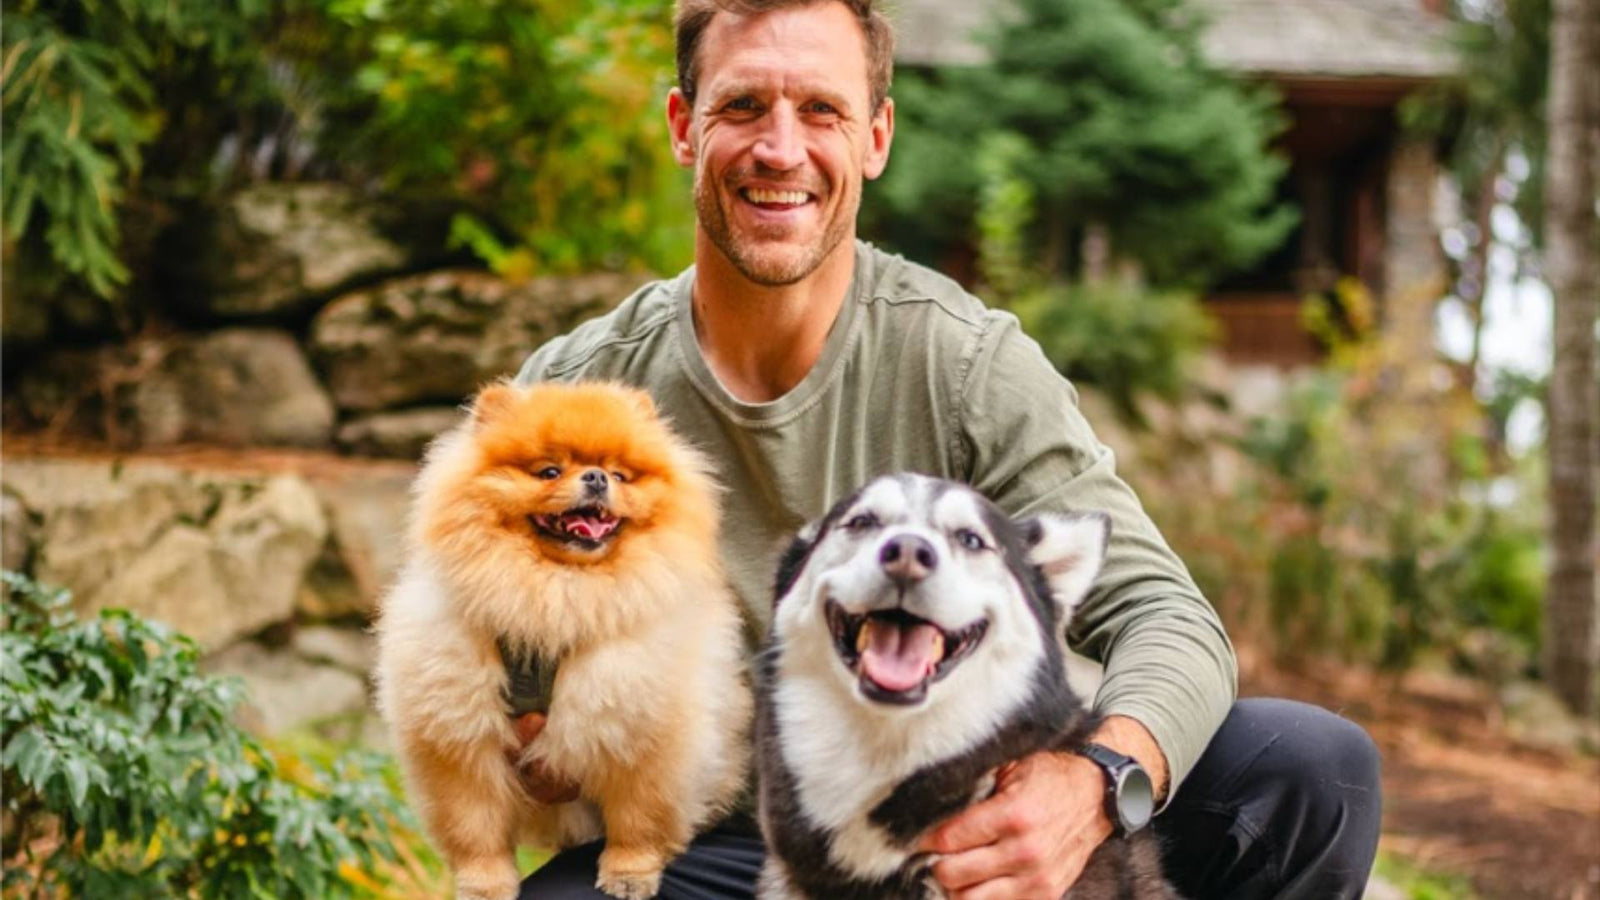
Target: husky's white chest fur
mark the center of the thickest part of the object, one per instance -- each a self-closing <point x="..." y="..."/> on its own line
<point x="915" y="647"/>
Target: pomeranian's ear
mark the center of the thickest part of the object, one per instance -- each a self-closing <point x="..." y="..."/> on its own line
<point x="492" y="403"/>
<point x="640" y="401"/>
<point x="1068" y="549"/>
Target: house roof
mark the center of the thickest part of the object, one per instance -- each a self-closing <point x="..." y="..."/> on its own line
<point x="1286" y="38"/>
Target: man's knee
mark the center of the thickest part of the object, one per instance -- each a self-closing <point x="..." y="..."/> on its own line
<point x="1321" y="764"/>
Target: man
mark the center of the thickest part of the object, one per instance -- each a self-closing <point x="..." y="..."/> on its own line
<point x="805" y="362"/>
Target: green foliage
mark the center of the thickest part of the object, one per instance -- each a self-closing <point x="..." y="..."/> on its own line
<point x="1494" y="103"/>
<point x="1113" y="334"/>
<point x="1387" y="527"/>
<point x="124" y="777"/>
<point x="1119" y="123"/>
<point x="540" y="121"/>
<point x="80" y="106"/>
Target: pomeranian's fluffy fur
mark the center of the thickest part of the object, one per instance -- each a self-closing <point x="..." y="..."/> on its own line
<point x="565" y="521"/>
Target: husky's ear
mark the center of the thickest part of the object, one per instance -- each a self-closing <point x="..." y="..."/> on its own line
<point x="492" y="402"/>
<point x="1068" y="549"/>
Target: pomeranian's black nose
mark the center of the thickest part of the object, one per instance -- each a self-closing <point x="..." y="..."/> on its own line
<point x="907" y="558"/>
<point x="594" y="481"/>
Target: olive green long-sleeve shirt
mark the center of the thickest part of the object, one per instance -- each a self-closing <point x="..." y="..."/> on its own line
<point x="918" y="375"/>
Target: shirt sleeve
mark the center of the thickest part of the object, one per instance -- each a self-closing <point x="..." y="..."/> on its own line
<point x="1026" y="445"/>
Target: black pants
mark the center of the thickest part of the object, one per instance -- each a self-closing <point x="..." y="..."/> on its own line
<point x="1284" y="803"/>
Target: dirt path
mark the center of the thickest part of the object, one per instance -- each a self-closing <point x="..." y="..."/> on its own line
<point x="1461" y="796"/>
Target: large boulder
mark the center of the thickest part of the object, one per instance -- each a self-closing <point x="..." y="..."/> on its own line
<point x="235" y="387"/>
<point x="16" y="533"/>
<point x="366" y="506"/>
<point x="286" y="691"/>
<point x="436" y="338"/>
<point x="272" y="251"/>
<point x="217" y="555"/>
<point x="402" y="434"/>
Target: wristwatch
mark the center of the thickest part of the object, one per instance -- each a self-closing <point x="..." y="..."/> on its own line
<point x="1130" y="797"/>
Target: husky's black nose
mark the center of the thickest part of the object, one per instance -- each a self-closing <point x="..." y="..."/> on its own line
<point x="907" y="558"/>
<point x="594" y="481"/>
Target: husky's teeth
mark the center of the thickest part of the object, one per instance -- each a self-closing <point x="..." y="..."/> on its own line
<point x="938" y="646"/>
<point x="862" y="636"/>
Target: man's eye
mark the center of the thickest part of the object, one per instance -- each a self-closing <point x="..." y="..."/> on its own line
<point x="549" y="473"/>
<point x="824" y="109"/>
<point x="861" y="522"/>
<point x="741" y="104"/>
<point x="971" y="540"/>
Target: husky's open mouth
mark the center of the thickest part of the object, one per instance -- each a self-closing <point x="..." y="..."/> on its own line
<point x="585" y="527"/>
<point x="895" y="654"/>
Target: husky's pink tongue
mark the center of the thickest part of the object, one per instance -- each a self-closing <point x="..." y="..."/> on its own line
<point x="588" y="527"/>
<point x="896" y="657"/>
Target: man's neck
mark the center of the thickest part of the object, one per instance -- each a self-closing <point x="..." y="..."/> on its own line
<point x="761" y="341"/>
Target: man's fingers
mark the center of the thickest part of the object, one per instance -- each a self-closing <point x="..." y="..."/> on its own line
<point x="961" y="871"/>
<point x="977" y="826"/>
<point x="528" y="727"/>
<point x="994" y="889"/>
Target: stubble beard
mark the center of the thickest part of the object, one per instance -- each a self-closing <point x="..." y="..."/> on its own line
<point x="759" y="260"/>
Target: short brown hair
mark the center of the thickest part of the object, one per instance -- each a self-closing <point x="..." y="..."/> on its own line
<point x="694" y="15"/>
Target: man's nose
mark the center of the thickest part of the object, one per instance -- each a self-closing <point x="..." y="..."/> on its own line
<point x="780" y="144"/>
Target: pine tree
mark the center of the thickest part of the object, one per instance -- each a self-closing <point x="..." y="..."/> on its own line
<point x="1126" y="129"/>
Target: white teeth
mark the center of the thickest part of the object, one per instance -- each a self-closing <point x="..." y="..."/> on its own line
<point x="789" y="198"/>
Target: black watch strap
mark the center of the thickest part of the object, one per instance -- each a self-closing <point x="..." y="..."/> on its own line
<point x="1130" y="795"/>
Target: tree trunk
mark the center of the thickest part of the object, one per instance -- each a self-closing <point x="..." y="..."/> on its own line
<point x="1572" y="257"/>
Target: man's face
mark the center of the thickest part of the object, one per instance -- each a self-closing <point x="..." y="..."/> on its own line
<point x="780" y="137"/>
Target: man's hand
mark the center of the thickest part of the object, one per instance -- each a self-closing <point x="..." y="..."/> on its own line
<point x="1032" y="838"/>
<point x="541" y="784"/>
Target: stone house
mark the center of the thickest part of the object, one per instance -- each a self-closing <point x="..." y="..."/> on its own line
<point x="1365" y="189"/>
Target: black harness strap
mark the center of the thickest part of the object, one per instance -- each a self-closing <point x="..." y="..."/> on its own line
<point x="530" y="680"/>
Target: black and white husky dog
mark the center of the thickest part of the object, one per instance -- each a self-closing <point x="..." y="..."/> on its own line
<point x="917" y="645"/>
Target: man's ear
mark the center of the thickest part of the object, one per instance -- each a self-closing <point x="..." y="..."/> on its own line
<point x="680" y="116"/>
<point x="1068" y="549"/>
<point x="880" y="134"/>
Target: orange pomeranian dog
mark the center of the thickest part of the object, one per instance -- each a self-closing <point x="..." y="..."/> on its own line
<point x="565" y="524"/>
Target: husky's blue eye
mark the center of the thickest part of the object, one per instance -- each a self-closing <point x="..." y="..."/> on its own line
<point x="971" y="539"/>
<point x="550" y="473"/>
<point x="861" y="522"/>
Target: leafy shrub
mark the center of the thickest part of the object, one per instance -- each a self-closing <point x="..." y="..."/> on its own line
<point x="542" y="121"/>
<point x="80" y="104"/>
<point x="124" y="777"/>
<point x="1115" y="334"/>
<point x="1388" y="527"/>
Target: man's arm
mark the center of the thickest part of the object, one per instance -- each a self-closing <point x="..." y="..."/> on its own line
<point x="1170" y="671"/>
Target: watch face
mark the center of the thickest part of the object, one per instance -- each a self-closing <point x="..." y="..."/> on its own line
<point x="1136" y="798"/>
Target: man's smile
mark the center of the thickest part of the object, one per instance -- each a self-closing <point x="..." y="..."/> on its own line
<point x="773" y="199"/>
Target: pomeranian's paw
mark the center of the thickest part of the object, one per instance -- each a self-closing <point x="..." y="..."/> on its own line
<point x="496" y="881"/>
<point x="630" y="875"/>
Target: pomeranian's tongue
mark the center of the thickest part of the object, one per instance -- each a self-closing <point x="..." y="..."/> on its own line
<point x="588" y="527"/>
<point x="897" y="657"/>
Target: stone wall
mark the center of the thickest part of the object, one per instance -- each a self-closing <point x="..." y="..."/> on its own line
<point x="292" y="321"/>
<point x="275" y="568"/>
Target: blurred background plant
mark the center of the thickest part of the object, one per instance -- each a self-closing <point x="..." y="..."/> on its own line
<point x="529" y="134"/>
<point x="1122" y="130"/>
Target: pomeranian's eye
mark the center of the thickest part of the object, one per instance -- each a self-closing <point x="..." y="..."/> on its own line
<point x="549" y="473"/>
<point x="620" y="477"/>
<point x="971" y="539"/>
<point x="861" y="522"/>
